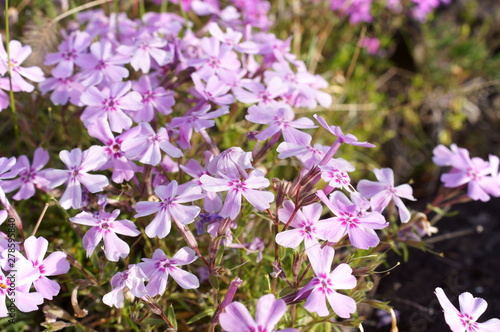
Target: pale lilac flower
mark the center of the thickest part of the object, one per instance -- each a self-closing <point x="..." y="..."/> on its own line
<point x="352" y="220"/>
<point x="480" y="176"/>
<point x="7" y="173"/>
<point x="236" y="317"/>
<point x="64" y="89"/>
<point x="104" y="226"/>
<point x="442" y="156"/>
<point x="215" y="90"/>
<point x="255" y="92"/>
<point x="236" y="188"/>
<point x="383" y="191"/>
<point x="123" y="168"/>
<point x="347" y="139"/>
<point x="144" y="144"/>
<point x="335" y="173"/>
<point x="371" y="44"/>
<point x="102" y="64"/>
<point x="323" y="287"/>
<point x="153" y="97"/>
<point x="29" y="176"/>
<point x="110" y="104"/>
<point x="18" y="54"/>
<point x="465" y="320"/>
<point x="133" y="279"/>
<point x="68" y="53"/>
<point x="79" y="164"/>
<point x="306" y="225"/>
<point x="220" y="59"/>
<point x="54" y="264"/>
<point x="171" y="195"/>
<point x="308" y="155"/>
<point x="280" y="119"/>
<point x="233" y="161"/>
<point x="159" y="267"/>
<point x="232" y="38"/>
<point x="144" y="48"/>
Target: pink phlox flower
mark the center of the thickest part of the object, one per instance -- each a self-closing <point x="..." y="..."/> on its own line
<point x="167" y="165"/>
<point x="357" y="10"/>
<point x="69" y="51"/>
<point x="269" y="311"/>
<point x="215" y="90"/>
<point x="236" y="188"/>
<point x="55" y="264"/>
<point x="111" y="104"/>
<point x="4" y="97"/>
<point x="480" y="176"/>
<point x="347" y="139"/>
<point x="465" y="320"/>
<point x="170" y="207"/>
<point x="280" y="118"/>
<point x="105" y="226"/>
<point x="102" y="64"/>
<point x="145" y="47"/>
<point x="254" y="13"/>
<point x="231" y="162"/>
<point x="159" y="267"/>
<point x="305" y="224"/>
<point x="255" y="92"/>
<point x="29" y="176"/>
<point x="19" y="283"/>
<point x="232" y="39"/>
<point x="323" y="287"/>
<point x="7" y="171"/>
<point x="371" y="44"/>
<point x="133" y="279"/>
<point x="197" y="119"/>
<point x="442" y="156"/>
<point x="308" y="155"/>
<point x="154" y="97"/>
<point x="274" y="49"/>
<point x="79" y="164"/>
<point x="335" y="174"/>
<point x="123" y="168"/>
<point x="19" y="53"/>
<point x="64" y="89"/>
<point x="218" y="59"/>
<point x="144" y="144"/>
<point x="352" y="220"/>
<point x="212" y="202"/>
<point x="384" y="191"/>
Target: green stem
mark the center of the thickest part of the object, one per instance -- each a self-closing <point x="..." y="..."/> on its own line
<point x="9" y="69"/>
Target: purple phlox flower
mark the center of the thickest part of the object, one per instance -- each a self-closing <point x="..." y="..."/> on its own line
<point x="237" y="318"/>
<point x="168" y="24"/>
<point x="254" y="13"/>
<point x="54" y="264"/>
<point x="102" y="64"/>
<point x="305" y="224"/>
<point x="280" y="119"/>
<point x="219" y="59"/>
<point x="308" y="155"/>
<point x="105" y="226"/>
<point x="144" y="48"/>
<point x="110" y="103"/>
<point x="20" y="280"/>
<point x="235" y="188"/>
<point x="123" y="168"/>
<point x="144" y="144"/>
<point x="273" y="48"/>
<point x="215" y="90"/>
<point x="371" y="44"/>
<point x="206" y="219"/>
<point x="204" y="7"/>
<point x="29" y="176"/>
<point x="323" y="287"/>
<point x="352" y="220"/>
<point x="348" y="139"/>
<point x="212" y="202"/>
<point x="254" y="92"/>
<point x="442" y="156"/>
<point x="168" y="165"/>
<point x="256" y="246"/>
<point x="7" y="171"/>
<point x="357" y="10"/>
<point x="159" y="267"/>
<point x="4" y="97"/>
<point x="233" y="161"/>
<point x="335" y="174"/>
<point x="19" y="53"/>
<point x="68" y="53"/>
<point x="383" y="191"/>
<point x="153" y="97"/>
<point x="197" y="119"/>
<point x="133" y="279"/>
<point x="232" y="39"/>
<point x="170" y="207"/>
<point x="465" y="320"/>
<point x="64" y="89"/>
<point x="480" y="176"/>
<point x="79" y="164"/>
